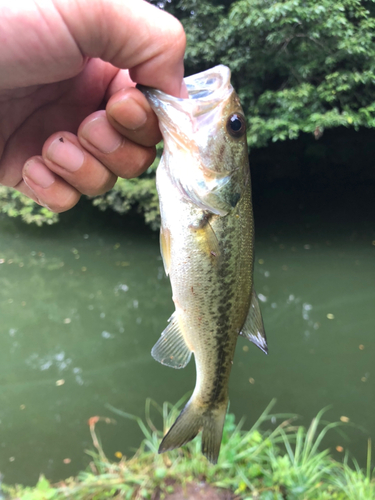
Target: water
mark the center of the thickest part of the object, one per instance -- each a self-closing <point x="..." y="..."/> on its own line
<point x="82" y="303"/>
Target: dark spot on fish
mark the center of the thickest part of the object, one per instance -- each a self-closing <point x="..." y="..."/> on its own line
<point x="234" y="199"/>
<point x="221" y="153"/>
<point x="213" y="253"/>
<point x="61" y="139"/>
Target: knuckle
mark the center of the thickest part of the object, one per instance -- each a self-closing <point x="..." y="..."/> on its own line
<point x="175" y="41"/>
<point x="171" y="37"/>
<point x="179" y="37"/>
<point x="177" y="30"/>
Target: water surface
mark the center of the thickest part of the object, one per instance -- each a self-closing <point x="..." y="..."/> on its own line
<point x="83" y="302"/>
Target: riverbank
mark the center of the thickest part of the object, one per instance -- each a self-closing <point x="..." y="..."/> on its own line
<point x="286" y="461"/>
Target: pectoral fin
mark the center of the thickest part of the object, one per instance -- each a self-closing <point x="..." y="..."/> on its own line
<point x="206" y="190"/>
<point x="206" y="237"/>
<point x="253" y="328"/>
<point x="171" y="349"/>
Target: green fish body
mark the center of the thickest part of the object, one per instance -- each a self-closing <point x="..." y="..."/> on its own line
<point x="207" y="242"/>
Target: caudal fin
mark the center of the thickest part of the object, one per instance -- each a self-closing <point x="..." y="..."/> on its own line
<point x="191" y="420"/>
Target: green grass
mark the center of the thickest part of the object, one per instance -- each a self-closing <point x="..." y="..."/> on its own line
<point x="286" y="462"/>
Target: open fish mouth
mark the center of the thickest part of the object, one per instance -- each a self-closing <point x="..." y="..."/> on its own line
<point x="209" y="87"/>
<point x="208" y="91"/>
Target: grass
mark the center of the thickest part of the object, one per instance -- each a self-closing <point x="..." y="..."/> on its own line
<point x="285" y="463"/>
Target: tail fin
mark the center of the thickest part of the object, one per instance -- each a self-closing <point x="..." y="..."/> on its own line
<point x="190" y="421"/>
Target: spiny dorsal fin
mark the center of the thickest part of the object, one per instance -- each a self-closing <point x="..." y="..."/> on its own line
<point x="165" y="248"/>
<point x="253" y="328"/>
<point x="171" y="349"/>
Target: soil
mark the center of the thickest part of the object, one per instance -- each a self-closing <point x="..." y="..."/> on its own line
<point x="199" y="491"/>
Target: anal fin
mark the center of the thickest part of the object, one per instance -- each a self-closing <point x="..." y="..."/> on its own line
<point x="253" y="328"/>
<point x="171" y="349"/>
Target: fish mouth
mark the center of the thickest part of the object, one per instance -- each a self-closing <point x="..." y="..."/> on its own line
<point x="208" y="87"/>
<point x="182" y="118"/>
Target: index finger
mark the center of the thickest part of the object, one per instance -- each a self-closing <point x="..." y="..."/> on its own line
<point x="130" y="34"/>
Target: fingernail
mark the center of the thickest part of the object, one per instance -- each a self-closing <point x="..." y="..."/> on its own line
<point x="38" y="174"/>
<point x="101" y="135"/>
<point x="128" y="113"/>
<point x="65" y="154"/>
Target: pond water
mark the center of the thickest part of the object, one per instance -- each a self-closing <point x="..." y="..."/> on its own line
<point x="83" y="302"/>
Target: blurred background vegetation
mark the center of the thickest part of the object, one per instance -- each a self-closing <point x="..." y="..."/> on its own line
<point x="305" y="73"/>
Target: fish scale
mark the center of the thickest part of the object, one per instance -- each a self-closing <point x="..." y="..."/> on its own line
<point x="207" y="241"/>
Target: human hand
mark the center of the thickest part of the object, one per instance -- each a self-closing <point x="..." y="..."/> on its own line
<point x="59" y="63"/>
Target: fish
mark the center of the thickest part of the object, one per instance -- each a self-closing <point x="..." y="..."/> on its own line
<point x="207" y="245"/>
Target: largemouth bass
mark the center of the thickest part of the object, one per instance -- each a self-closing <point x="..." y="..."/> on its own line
<point x="207" y="241"/>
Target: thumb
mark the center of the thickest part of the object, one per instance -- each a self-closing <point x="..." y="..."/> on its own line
<point x="130" y="34"/>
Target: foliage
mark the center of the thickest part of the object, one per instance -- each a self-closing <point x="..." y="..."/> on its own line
<point x="284" y="462"/>
<point x="299" y="66"/>
<point x="16" y="204"/>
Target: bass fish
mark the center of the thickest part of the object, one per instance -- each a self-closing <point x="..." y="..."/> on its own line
<point x="207" y="245"/>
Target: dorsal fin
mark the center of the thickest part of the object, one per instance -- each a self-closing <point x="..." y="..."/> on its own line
<point x="171" y="349"/>
<point x="253" y="328"/>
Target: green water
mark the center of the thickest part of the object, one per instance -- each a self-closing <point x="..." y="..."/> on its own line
<point x="82" y="303"/>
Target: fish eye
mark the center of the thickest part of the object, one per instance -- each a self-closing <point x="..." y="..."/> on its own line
<point x="236" y="125"/>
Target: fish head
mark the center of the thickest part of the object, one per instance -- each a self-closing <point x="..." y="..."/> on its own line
<point x="205" y="148"/>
